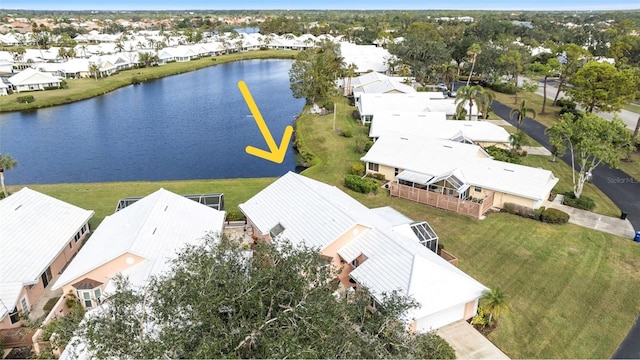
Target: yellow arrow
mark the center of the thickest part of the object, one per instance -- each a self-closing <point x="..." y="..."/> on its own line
<point x="275" y="153"/>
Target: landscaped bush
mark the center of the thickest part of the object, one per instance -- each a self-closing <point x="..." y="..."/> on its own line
<point x="355" y="115"/>
<point x="363" y="144"/>
<point x="554" y="216"/>
<point x="566" y="103"/>
<point x="503" y="154"/>
<point x="25" y="99"/>
<point x="346" y="133"/>
<point x="505" y="88"/>
<point x="235" y="215"/>
<point x="519" y="210"/>
<point x="377" y="176"/>
<point x="357" y="168"/>
<point x="361" y="185"/>
<point x="584" y="203"/>
<point x="328" y="105"/>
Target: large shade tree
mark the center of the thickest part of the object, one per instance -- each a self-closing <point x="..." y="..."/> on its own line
<point x="423" y="54"/>
<point x="571" y="57"/>
<point x="6" y="163"/>
<point x="591" y="141"/>
<point x="314" y="71"/>
<point x="275" y="301"/>
<point x="601" y="87"/>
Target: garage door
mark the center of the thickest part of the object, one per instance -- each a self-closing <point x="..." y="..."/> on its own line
<point x="441" y="318"/>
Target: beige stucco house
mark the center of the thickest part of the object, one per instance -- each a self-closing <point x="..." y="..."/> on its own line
<point x="39" y="235"/>
<point x="138" y="241"/>
<point x="32" y="80"/>
<point x="455" y="176"/>
<point x="380" y="249"/>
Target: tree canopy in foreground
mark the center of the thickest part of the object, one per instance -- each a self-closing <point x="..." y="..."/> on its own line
<point x="273" y="302"/>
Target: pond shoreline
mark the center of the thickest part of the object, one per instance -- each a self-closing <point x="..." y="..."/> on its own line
<point x="82" y="89"/>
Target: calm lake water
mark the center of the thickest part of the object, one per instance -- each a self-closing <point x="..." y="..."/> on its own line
<point x="188" y="126"/>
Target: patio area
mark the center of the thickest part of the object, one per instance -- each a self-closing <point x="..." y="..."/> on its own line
<point x="441" y="201"/>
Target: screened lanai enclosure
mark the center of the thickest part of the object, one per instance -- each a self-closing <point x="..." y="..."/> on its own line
<point x="215" y="201"/>
<point x="426" y="235"/>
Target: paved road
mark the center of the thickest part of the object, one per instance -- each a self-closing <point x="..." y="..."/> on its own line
<point x="621" y="188"/>
<point x="628" y="117"/>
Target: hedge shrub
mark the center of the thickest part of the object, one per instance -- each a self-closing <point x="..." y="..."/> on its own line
<point x="505" y="88"/>
<point x="361" y="185"/>
<point x="584" y="203"/>
<point x="357" y="168"/>
<point x="505" y="155"/>
<point x="554" y="216"/>
<point x="519" y="210"/>
<point x="25" y="99"/>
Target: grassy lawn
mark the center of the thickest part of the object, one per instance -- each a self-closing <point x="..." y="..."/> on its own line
<point x="526" y="141"/>
<point x="80" y="89"/>
<point x="632" y="107"/>
<point x="560" y="169"/>
<point x="632" y="168"/>
<point x="534" y="101"/>
<point x="103" y="197"/>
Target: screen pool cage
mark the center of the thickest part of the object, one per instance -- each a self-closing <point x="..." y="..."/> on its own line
<point x="215" y="201"/>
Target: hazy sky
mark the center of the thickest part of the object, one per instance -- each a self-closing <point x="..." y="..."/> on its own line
<point x="315" y="4"/>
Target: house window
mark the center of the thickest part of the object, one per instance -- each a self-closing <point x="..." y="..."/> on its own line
<point x="373" y="167"/>
<point x="77" y="237"/>
<point x="46" y="277"/>
<point x="24" y="304"/>
<point x="396" y="171"/>
<point x="70" y="245"/>
<point x="478" y="189"/>
<point x="90" y="297"/>
<point x="14" y="316"/>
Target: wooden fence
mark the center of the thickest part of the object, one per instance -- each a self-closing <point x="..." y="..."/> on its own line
<point x="441" y="201"/>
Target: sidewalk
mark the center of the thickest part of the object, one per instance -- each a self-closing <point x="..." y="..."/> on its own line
<point x="594" y="221"/>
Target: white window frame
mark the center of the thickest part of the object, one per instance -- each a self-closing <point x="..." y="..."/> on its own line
<point x="24" y="304"/>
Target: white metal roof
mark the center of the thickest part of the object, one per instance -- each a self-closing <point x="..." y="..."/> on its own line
<point x="365" y="57"/>
<point x="317" y="214"/>
<point x="370" y="104"/>
<point x="422" y="158"/>
<point x="422" y="155"/>
<point x="35" y="229"/>
<point x="154" y="228"/>
<point x="396" y="262"/>
<point x="310" y="211"/>
<point x="435" y="125"/>
<point x="30" y="76"/>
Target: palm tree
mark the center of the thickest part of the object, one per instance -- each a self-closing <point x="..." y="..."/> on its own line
<point x="522" y="112"/>
<point x="485" y="98"/>
<point x="94" y="70"/>
<point x="448" y="72"/>
<point x="473" y="51"/>
<point x="349" y="74"/>
<point x="6" y="163"/>
<point x="516" y="139"/>
<point x="496" y="302"/>
<point x="468" y="94"/>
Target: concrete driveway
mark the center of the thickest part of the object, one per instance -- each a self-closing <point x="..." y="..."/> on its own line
<point x="468" y="342"/>
<point x="608" y="224"/>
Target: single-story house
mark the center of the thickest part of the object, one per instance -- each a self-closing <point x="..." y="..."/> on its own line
<point x="366" y="58"/>
<point x="39" y="235"/>
<point x="435" y="125"/>
<point x="370" y="104"/>
<point x="380" y="249"/>
<point x="31" y="80"/>
<point x="138" y="241"/>
<point x="3" y="88"/>
<point x="460" y="174"/>
<point x="375" y="83"/>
